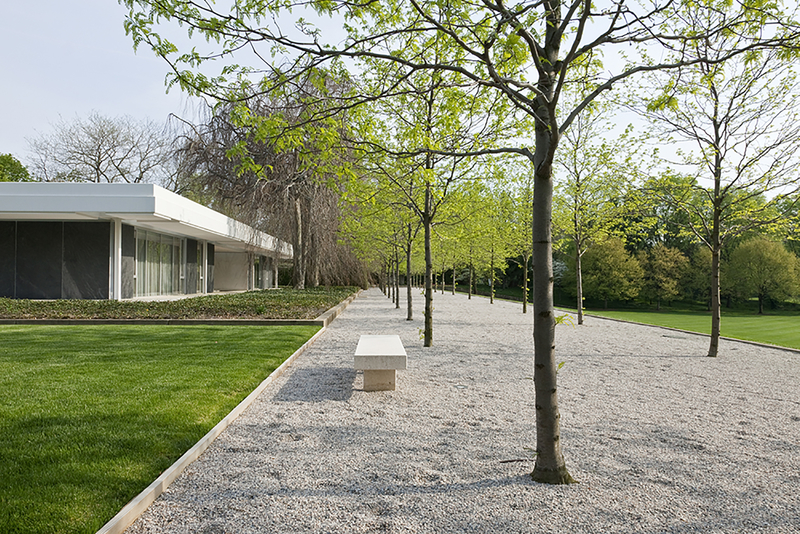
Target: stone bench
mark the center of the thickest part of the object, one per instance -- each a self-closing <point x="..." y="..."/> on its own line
<point x="380" y="357"/>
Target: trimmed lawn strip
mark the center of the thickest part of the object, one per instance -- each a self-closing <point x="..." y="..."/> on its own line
<point x="774" y="329"/>
<point x="91" y="415"/>
<point x="266" y="304"/>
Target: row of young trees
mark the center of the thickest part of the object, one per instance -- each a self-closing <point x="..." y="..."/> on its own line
<point x="645" y="253"/>
<point x="406" y="116"/>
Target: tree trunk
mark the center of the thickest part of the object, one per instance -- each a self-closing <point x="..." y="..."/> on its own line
<point x="469" y="293"/>
<point x="525" y="285"/>
<point x="426" y="222"/>
<point x="550" y="467"/>
<point x="454" y="279"/>
<point x="409" y="308"/>
<point x="390" y="275"/>
<point x="299" y="281"/>
<point x="716" y="249"/>
<point x="579" y="285"/>
<point x="397" y="279"/>
<point x="491" y="278"/>
<point x="761" y="304"/>
<point x="716" y="304"/>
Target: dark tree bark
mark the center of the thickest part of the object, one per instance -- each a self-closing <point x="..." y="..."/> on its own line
<point x="550" y="466"/>
<point x="409" y="277"/>
<point x="426" y="224"/>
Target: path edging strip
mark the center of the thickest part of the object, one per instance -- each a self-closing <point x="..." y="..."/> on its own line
<point x="131" y="511"/>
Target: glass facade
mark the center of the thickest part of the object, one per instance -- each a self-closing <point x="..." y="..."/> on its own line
<point x="160" y="264"/>
<point x="200" y="262"/>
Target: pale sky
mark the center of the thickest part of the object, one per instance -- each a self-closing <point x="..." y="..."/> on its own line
<point x="66" y="58"/>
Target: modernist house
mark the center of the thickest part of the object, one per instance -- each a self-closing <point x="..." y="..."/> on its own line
<point x="123" y="241"/>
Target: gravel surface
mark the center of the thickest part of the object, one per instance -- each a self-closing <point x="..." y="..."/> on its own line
<point x="660" y="437"/>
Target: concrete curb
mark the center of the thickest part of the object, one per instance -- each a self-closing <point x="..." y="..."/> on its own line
<point x="327" y="318"/>
<point x="131" y="511"/>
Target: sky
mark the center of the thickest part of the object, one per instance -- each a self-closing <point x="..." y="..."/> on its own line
<point x="63" y="59"/>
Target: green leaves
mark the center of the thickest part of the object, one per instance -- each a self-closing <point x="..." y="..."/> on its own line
<point x="11" y="170"/>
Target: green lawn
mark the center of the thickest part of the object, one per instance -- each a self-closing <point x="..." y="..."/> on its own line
<point x="776" y="328"/>
<point x="91" y="415"/>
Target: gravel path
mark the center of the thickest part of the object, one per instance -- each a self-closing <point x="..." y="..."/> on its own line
<point x="661" y="438"/>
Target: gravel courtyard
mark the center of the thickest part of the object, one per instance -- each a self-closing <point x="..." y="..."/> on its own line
<point x="660" y="437"/>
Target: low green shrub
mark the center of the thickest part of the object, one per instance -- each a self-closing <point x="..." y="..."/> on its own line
<point x="266" y="304"/>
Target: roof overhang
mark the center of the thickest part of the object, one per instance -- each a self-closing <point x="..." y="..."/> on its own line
<point x="142" y="205"/>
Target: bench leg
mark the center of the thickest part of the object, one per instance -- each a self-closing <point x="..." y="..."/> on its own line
<point x="379" y="380"/>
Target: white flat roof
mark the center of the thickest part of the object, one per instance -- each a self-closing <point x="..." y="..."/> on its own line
<point x="143" y="205"/>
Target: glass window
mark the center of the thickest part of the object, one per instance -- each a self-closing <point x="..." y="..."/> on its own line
<point x="159" y="264"/>
<point x="200" y="263"/>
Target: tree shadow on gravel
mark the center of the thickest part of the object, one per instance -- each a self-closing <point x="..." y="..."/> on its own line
<point x="318" y="385"/>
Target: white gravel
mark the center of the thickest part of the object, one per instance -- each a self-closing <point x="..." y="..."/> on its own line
<point x="660" y="437"/>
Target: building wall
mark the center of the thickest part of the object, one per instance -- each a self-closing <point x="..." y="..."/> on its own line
<point x="232" y="271"/>
<point x="86" y="260"/>
<point x="210" y="271"/>
<point x="74" y="259"/>
<point x="55" y="260"/>
<point x="8" y="257"/>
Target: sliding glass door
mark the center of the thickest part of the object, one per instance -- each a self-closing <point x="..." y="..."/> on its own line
<point x="159" y="264"/>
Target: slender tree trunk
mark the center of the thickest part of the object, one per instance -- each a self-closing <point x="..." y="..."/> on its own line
<point x="469" y="293"/>
<point x="525" y="284"/>
<point x="716" y="249"/>
<point x="426" y="222"/>
<point x="454" y="279"/>
<point x="397" y="278"/>
<point x="491" y="278"/>
<point x="716" y="303"/>
<point x="409" y="277"/>
<point x="550" y="466"/>
<point x="579" y="284"/>
<point x="299" y="281"/>
<point x="391" y="280"/>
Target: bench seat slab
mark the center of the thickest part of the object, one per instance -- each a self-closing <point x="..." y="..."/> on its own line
<point x="378" y="362"/>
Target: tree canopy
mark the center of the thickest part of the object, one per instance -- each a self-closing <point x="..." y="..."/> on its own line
<point x="11" y="170"/>
<point x="763" y="268"/>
